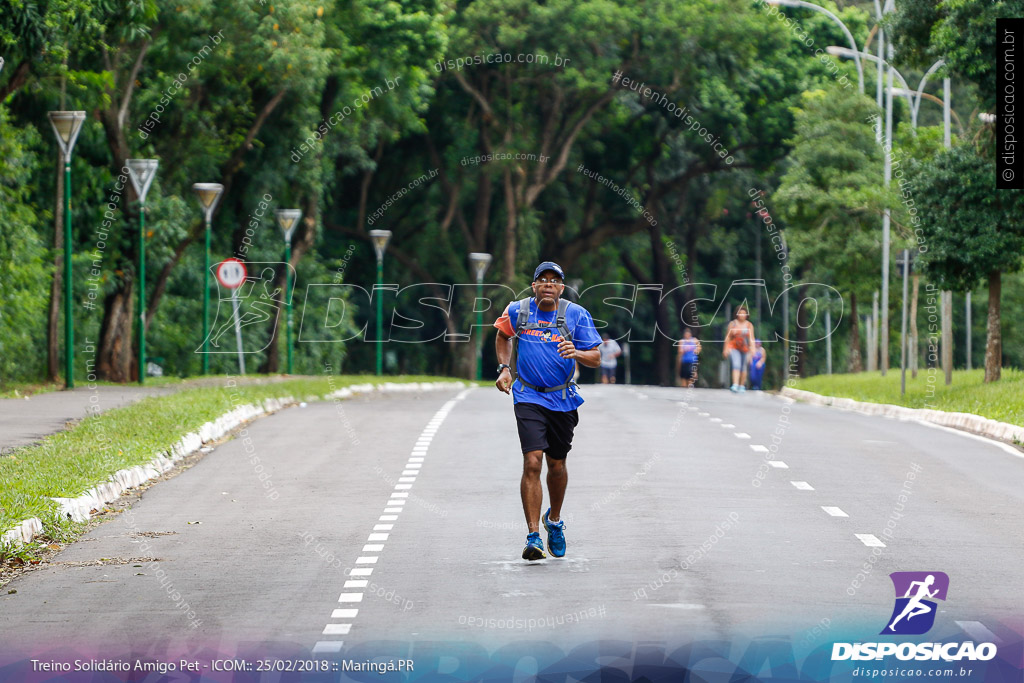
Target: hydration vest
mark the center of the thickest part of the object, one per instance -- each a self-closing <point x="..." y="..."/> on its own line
<point x="523" y="324"/>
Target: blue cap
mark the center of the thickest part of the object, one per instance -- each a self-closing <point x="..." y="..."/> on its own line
<point x="548" y="265"/>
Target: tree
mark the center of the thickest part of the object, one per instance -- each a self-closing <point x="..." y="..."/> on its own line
<point x="23" y="271"/>
<point x="962" y="32"/>
<point x="831" y="196"/>
<point x="973" y="232"/>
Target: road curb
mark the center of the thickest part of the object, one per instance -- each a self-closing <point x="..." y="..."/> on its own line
<point x="80" y="508"/>
<point x="977" y="424"/>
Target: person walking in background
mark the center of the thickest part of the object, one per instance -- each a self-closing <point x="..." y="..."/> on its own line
<point x="610" y="352"/>
<point x="687" y="358"/>
<point x="757" y="366"/>
<point x="739" y="340"/>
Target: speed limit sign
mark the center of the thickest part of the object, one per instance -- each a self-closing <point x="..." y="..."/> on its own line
<point x="231" y="273"/>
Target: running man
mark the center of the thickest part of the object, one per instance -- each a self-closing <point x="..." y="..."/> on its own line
<point x="687" y="358"/>
<point x="757" y="360"/>
<point x="610" y="351"/>
<point x="739" y="339"/>
<point x="915" y="606"/>
<point x="543" y="349"/>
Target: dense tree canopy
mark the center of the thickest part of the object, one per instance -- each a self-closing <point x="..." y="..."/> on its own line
<point x="622" y="139"/>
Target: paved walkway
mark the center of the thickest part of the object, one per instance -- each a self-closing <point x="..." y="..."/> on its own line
<point x="24" y="421"/>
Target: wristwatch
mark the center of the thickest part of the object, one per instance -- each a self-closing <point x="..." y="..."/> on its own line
<point x="502" y="366"/>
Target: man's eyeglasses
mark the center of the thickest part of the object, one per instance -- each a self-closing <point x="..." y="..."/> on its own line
<point x="549" y="281"/>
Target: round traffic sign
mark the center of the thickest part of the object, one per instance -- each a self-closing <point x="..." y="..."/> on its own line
<point x="231" y="273"/>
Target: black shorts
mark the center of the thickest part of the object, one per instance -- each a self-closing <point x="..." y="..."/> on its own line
<point x="608" y="372"/>
<point x="687" y="370"/>
<point x="543" y="429"/>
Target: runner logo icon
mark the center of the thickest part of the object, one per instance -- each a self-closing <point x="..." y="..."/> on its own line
<point x="915" y="609"/>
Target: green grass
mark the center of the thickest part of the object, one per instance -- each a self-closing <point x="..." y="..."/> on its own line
<point x="23" y="389"/>
<point x="67" y="464"/>
<point x="1002" y="400"/>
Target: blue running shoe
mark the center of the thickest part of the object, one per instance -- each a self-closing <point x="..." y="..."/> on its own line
<point x="556" y="535"/>
<point x="534" y="549"/>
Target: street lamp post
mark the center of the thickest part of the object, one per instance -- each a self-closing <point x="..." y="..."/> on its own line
<point x="828" y="333"/>
<point x="904" y="261"/>
<point x="209" y="196"/>
<point x="66" y="126"/>
<point x="141" y="172"/>
<point x="380" y="242"/>
<point x="833" y="17"/>
<point x="480" y="263"/>
<point x="288" y="219"/>
<point x="874" y="330"/>
<point x="967" y="305"/>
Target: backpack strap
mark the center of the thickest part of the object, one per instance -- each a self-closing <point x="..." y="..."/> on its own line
<point x="521" y="321"/>
<point x="563" y="329"/>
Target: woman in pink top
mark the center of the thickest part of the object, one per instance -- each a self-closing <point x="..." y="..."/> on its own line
<point x="739" y="340"/>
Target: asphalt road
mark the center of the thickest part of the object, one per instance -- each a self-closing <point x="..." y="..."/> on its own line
<point x="397" y="518"/>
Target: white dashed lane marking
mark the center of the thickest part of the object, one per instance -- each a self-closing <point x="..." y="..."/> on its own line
<point x="741" y="435"/>
<point x="779" y="464"/>
<point x="802" y="485"/>
<point x="758" y="448"/>
<point x="870" y="540"/>
<point x="326" y="646"/>
<point x="834" y="511"/>
<point x="394" y="505"/>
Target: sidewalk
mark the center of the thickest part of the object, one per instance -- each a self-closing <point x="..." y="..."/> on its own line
<point x="24" y="421"/>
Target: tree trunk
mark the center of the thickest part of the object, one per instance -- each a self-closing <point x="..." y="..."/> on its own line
<point x="994" y="344"/>
<point x="511" y="216"/>
<point x="855" y="363"/>
<point x="690" y="310"/>
<point x="53" y="327"/>
<point x="114" y="360"/>
<point x="916" y="281"/>
<point x="662" y="344"/>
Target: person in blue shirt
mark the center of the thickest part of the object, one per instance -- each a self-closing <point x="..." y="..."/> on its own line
<point x="757" y="366"/>
<point x="687" y="359"/>
<point x="545" y="399"/>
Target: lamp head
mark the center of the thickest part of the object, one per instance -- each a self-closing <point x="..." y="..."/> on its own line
<point x="288" y="219"/>
<point x="209" y="195"/>
<point x="141" y="172"/>
<point x="480" y="262"/>
<point x="66" y="126"/>
<point x="380" y="241"/>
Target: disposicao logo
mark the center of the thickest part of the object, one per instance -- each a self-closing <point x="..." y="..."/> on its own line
<point x="914" y="614"/>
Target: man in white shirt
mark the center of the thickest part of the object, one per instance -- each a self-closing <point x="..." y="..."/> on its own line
<point x="610" y="351"/>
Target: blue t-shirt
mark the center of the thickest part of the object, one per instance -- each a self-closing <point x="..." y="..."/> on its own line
<point x="538" y="361"/>
<point x="754" y="370"/>
<point x="689" y="350"/>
